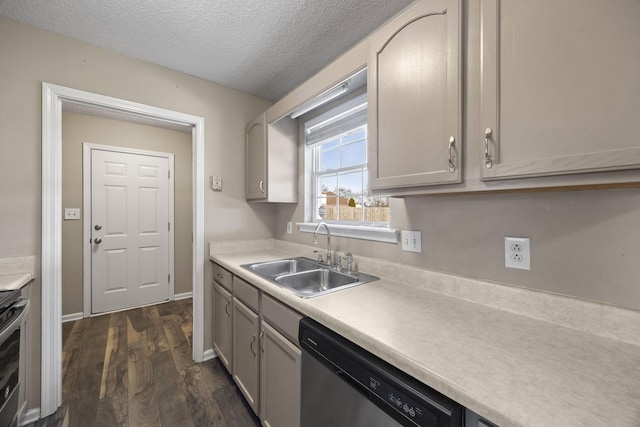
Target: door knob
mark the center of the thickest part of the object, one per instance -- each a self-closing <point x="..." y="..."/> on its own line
<point x="98" y="241"/>
<point x="97" y="227"/>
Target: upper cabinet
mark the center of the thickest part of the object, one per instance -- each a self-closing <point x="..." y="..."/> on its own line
<point x="560" y="87"/>
<point x="272" y="160"/>
<point x="414" y="95"/>
<point x="256" y="133"/>
<point x="551" y="98"/>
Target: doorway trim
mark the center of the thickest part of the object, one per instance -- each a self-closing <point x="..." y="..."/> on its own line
<point x="54" y="98"/>
<point x="87" y="173"/>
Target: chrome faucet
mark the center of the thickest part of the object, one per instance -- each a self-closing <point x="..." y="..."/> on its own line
<point x="315" y="240"/>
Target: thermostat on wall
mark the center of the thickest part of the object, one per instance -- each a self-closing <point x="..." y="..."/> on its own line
<point x="215" y="182"/>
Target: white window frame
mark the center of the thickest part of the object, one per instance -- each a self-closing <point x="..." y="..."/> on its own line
<point x="354" y="229"/>
<point x="316" y="175"/>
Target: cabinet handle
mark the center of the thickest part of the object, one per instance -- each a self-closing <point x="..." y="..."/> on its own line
<point x="226" y="308"/>
<point x="260" y="341"/>
<point x="452" y="165"/>
<point x="262" y="185"/>
<point x="253" y="341"/>
<point x="488" y="161"/>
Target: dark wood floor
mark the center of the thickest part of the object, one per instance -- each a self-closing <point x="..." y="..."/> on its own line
<point x="134" y="368"/>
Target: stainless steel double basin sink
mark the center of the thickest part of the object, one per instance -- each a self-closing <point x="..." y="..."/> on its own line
<point x="307" y="278"/>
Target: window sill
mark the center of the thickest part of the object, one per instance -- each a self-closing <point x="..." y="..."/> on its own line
<point x="378" y="234"/>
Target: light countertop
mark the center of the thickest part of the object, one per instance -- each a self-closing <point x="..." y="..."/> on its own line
<point x="16" y="272"/>
<point x="14" y="281"/>
<point x="513" y="370"/>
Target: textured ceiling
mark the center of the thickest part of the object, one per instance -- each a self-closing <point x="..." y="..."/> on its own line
<point x="264" y="47"/>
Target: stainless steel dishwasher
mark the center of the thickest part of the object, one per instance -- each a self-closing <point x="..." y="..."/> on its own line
<point x="344" y="385"/>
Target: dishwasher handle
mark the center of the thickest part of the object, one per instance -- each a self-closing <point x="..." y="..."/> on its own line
<point x="353" y="382"/>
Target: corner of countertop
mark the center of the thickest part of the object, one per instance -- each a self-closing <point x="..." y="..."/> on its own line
<point x="17" y="265"/>
<point x="229" y="247"/>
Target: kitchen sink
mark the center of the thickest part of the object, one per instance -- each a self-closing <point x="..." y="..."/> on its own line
<point x="283" y="266"/>
<point x="314" y="282"/>
<point x="307" y="278"/>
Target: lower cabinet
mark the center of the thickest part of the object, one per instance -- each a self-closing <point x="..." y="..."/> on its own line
<point x="280" y="375"/>
<point x="256" y="338"/>
<point x="222" y="326"/>
<point x="246" y="327"/>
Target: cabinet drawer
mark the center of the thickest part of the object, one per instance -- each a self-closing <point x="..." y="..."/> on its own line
<point x="284" y="319"/>
<point x="246" y="293"/>
<point x="222" y="276"/>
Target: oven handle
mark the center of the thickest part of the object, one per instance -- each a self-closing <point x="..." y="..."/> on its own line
<point x="22" y="305"/>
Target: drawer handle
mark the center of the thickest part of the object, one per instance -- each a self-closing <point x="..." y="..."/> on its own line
<point x="452" y="165"/>
<point x="488" y="161"/>
<point x="226" y="308"/>
<point x="220" y="276"/>
<point x="251" y="346"/>
<point x="261" y="185"/>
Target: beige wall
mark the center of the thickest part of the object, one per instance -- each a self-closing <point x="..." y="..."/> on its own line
<point x="583" y="243"/>
<point x="80" y="128"/>
<point x="30" y="56"/>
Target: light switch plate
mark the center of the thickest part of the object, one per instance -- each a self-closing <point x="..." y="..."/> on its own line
<point x="71" y="213"/>
<point x="411" y="241"/>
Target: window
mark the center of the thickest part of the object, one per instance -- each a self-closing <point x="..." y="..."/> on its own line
<point x="337" y="165"/>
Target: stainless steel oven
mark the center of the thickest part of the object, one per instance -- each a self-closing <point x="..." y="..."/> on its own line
<point x="13" y="310"/>
<point x="343" y="385"/>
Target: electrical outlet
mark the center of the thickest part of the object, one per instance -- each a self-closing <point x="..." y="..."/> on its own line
<point x="517" y="253"/>
<point x="411" y="241"/>
<point x="289" y="227"/>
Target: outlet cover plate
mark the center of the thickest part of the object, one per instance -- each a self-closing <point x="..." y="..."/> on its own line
<point x="411" y="241"/>
<point x="71" y="213"/>
<point x="517" y="253"/>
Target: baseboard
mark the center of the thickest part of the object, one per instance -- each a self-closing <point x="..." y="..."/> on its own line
<point x="71" y="317"/>
<point x="77" y="316"/>
<point x="29" y="416"/>
<point x="184" y="295"/>
<point x="209" y="354"/>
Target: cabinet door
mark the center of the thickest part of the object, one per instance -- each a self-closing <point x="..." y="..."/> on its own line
<point x="560" y="87"/>
<point x="414" y="112"/>
<point x="246" y="325"/>
<point x="256" y="134"/>
<point x="222" y="327"/>
<point x="280" y="376"/>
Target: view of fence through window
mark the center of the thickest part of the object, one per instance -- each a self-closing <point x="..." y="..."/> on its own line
<point x="341" y="184"/>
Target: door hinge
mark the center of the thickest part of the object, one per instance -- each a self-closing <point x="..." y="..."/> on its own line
<point x="169" y="278"/>
<point x="169" y="226"/>
<point x="169" y="174"/>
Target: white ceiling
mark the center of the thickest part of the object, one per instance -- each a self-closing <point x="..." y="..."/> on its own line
<point x="264" y="47"/>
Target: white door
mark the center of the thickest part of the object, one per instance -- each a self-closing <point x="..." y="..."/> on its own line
<point x="129" y="230"/>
